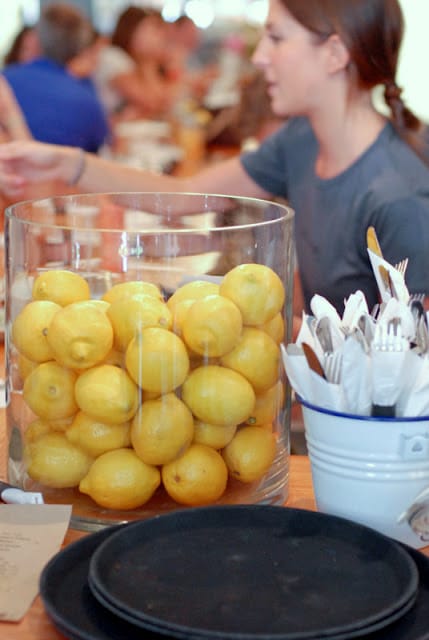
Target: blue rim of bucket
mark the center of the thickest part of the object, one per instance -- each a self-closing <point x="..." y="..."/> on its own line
<point x="340" y="414"/>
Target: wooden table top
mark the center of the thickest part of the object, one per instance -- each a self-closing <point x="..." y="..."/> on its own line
<point x="37" y="626"/>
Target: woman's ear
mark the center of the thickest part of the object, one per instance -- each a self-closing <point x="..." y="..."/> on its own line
<point x="338" y="56"/>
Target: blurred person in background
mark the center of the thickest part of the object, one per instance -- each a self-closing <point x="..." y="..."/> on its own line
<point x="128" y="74"/>
<point x="341" y="164"/>
<point x="59" y="108"/>
<point x="248" y="122"/>
<point x="25" y="46"/>
<point x="188" y="59"/>
<point x="84" y="63"/>
<point x="186" y="37"/>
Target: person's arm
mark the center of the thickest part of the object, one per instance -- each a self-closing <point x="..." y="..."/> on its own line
<point x="12" y="122"/>
<point x="22" y="163"/>
<point x="149" y="98"/>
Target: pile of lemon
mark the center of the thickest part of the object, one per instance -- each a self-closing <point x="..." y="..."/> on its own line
<point x="133" y="391"/>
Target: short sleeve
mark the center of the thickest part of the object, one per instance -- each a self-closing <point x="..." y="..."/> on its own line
<point x="267" y="165"/>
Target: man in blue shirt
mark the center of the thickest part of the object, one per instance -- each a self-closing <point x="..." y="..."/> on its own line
<point x="58" y="107"/>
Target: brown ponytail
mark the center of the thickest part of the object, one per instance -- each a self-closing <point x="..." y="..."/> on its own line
<point x="406" y="123"/>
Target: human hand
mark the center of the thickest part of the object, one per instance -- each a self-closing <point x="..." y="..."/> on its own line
<point x="25" y="162"/>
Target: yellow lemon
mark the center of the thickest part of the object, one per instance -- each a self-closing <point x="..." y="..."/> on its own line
<point x="120" y="480"/>
<point x="107" y="393"/>
<point x="40" y="426"/>
<point x="157" y="360"/>
<point x="30" y="330"/>
<point x="97" y="437"/>
<point x="212" y="326"/>
<point x="213" y="435"/>
<point x="80" y="335"/>
<point x="36" y="429"/>
<point x="250" y="453"/>
<point x="162" y="429"/>
<point x="56" y="462"/>
<point x="198" y="477"/>
<point x="130" y="315"/>
<point x="61" y="424"/>
<point x="256" y="290"/>
<point x="256" y="357"/>
<point x="25" y="366"/>
<point x="49" y="391"/>
<point x="100" y="304"/>
<point x="275" y="328"/>
<point x="193" y="290"/>
<point x="60" y="286"/>
<point x="128" y="289"/>
<point x="268" y="405"/>
<point x="218" y="395"/>
<point x="180" y="311"/>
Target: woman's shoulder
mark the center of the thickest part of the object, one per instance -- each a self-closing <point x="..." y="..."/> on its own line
<point x="394" y="179"/>
<point x="404" y="167"/>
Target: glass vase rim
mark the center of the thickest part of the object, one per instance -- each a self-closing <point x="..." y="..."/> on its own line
<point x="287" y="214"/>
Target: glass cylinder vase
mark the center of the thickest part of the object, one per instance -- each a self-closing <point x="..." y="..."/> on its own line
<point x="142" y="351"/>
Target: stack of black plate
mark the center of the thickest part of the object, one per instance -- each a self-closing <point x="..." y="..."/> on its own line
<point x="238" y="573"/>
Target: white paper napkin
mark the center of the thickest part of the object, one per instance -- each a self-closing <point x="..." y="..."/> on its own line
<point x="29" y="536"/>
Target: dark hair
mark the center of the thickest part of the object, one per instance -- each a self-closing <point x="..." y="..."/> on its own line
<point x="63" y="32"/>
<point x="126" y="25"/>
<point x="372" y="31"/>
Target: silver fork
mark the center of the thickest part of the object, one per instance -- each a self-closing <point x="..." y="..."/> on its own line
<point x="387" y="354"/>
<point x="332" y="366"/>
<point x="422" y="335"/>
<point x="401" y="266"/>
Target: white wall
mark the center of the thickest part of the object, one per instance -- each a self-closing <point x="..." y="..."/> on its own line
<point x="10" y="23"/>
<point x="413" y="74"/>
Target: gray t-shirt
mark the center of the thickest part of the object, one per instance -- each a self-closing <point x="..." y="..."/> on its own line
<point x="387" y="187"/>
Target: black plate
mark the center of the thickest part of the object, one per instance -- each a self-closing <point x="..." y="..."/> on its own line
<point x="68" y="599"/>
<point x="253" y="572"/>
<point x="77" y="614"/>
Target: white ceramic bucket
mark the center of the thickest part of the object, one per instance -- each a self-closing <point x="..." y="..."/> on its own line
<point x="371" y="470"/>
